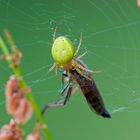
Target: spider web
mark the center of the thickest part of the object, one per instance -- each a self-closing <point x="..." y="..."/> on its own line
<point x="110" y="37"/>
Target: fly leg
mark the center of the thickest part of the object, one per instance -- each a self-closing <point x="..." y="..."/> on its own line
<point x="64" y="75"/>
<point x="64" y="89"/>
<point x="60" y="102"/>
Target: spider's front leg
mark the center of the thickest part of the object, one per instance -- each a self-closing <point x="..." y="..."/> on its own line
<point x="60" y="102"/>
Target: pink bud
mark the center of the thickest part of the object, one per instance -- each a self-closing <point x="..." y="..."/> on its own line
<point x="16" y="103"/>
<point x="138" y="3"/>
<point x="10" y="132"/>
<point x="35" y="135"/>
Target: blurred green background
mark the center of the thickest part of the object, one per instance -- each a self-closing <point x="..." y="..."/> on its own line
<point x="111" y="36"/>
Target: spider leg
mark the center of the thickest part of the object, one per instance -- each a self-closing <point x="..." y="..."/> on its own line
<point x="60" y="102"/>
<point x="52" y="67"/>
<point x="82" y="55"/>
<point x="83" y="68"/>
<point x="54" y="34"/>
<point x="78" y="47"/>
<point x="81" y="73"/>
<point x="64" y="74"/>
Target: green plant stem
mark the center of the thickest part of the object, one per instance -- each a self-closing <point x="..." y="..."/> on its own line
<point x="17" y="71"/>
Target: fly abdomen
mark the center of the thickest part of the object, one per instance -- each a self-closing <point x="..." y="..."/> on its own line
<point x="91" y="93"/>
<point x="96" y="103"/>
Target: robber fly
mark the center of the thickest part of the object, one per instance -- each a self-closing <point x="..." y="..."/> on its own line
<point x="77" y="73"/>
